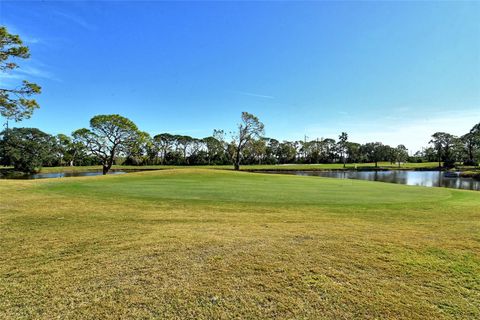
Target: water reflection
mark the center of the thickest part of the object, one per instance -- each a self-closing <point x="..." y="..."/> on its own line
<point x="413" y="178"/>
<point x="16" y="175"/>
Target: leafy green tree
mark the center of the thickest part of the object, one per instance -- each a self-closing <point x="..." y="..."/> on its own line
<point x="174" y="157"/>
<point x="108" y="137"/>
<point x="151" y="152"/>
<point x="164" y="143"/>
<point x="250" y="128"/>
<point x="271" y="150"/>
<point x="328" y="148"/>
<point x="458" y="150"/>
<point x="468" y="141"/>
<point x="286" y="152"/>
<point x="313" y="151"/>
<point x="182" y="144"/>
<point x="62" y="146"/>
<point x="26" y="149"/>
<point x="475" y="131"/>
<point x="68" y="152"/>
<point x="227" y="154"/>
<point x="342" y="146"/>
<point x="401" y="154"/>
<point x="215" y="150"/>
<point x="353" y="151"/>
<point x="417" y="157"/>
<point x="196" y="153"/>
<point x="137" y="148"/>
<point x="390" y="154"/>
<point x="374" y="152"/>
<point x="438" y="146"/>
<point x="471" y="142"/>
<point x="444" y="145"/>
<point x="15" y="102"/>
<point x="254" y="151"/>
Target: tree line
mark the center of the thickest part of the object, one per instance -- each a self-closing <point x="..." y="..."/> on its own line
<point x="113" y="139"/>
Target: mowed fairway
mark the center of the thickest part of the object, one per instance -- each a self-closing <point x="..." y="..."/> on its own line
<point x="213" y="244"/>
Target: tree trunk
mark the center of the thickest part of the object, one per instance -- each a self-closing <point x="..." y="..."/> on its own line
<point x="237" y="161"/>
<point x="376" y="164"/>
<point x="109" y="162"/>
<point x="107" y="166"/>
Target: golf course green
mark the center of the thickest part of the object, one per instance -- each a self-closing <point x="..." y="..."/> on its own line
<point x="218" y="244"/>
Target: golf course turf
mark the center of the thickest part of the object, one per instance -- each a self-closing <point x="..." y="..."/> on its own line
<point x="216" y="244"/>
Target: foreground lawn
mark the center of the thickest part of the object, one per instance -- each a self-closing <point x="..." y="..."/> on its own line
<point x="213" y="244"/>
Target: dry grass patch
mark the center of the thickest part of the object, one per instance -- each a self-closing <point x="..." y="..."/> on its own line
<point x="158" y="245"/>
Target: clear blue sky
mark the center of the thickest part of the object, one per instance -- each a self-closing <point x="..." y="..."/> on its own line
<point x="382" y="71"/>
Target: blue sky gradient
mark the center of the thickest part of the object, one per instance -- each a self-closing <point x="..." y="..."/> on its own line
<point x="382" y="71"/>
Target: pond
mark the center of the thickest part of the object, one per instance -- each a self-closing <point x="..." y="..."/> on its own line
<point x="45" y="175"/>
<point x="412" y="178"/>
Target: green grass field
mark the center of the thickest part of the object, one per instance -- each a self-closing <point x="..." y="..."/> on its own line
<point x="217" y="244"/>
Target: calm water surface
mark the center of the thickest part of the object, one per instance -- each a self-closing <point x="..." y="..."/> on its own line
<point x="45" y="175"/>
<point x="412" y="178"/>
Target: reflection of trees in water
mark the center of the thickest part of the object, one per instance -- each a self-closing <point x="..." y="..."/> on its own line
<point x="462" y="183"/>
<point x="383" y="176"/>
<point x="399" y="177"/>
<point x="416" y="178"/>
